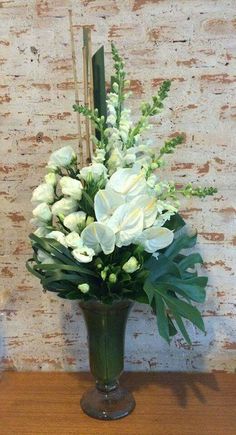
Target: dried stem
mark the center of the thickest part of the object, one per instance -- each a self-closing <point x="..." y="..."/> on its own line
<point x="85" y="77"/>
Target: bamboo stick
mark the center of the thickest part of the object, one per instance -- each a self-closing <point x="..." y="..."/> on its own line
<point x="91" y="98"/>
<point x="86" y="102"/>
<point x="80" y="142"/>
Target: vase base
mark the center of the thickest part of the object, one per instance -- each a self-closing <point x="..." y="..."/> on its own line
<point x="116" y="404"/>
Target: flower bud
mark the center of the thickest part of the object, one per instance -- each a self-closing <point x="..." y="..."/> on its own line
<point x="84" y="288"/>
<point x="131" y="265"/>
<point x="112" y="278"/>
<point x="51" y="178"/>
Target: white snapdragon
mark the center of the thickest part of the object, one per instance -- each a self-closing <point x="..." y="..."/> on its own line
<point x="43" y="193"/>
<point x="59" y="236"/>
<point x="64" y="206"/>
<point x="61" y="158"/>
<point x="75" y="221"/>
<point x="99" y="237"/>
<point x="84" y="254"/>
<point x="116" y="160"/>
<point x="51" y="178"/>
<point x="42" y="212"/>
<point x="73" y="240"/>
<point x="154" y="238"/>
<point x="99" y="156"/>
<point x="71" y="187"/>
<point x="93" y="172"/>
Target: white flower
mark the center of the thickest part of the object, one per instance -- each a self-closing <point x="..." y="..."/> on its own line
<point x="62" y="157"/>
<point x="43" y="193"/>
<point x="99" y="156"/>
<point x="128" y="181"/>
<point x="73" y="240"/>
<point x="64" y="206"/>
<point x="115" y="160"/>
<point x="57" y="235"/>
<point x="72" y="187"/>
<point x="131" y="265"/>
<point x="51" y="178"/>
<point x="84" y="288"/>
<point x="42" y="231"/>
<point x="149" y="207"/>
<point x="105" y="203"/>
<point x="154" y="238"/>
<point x="152" y="180"/>
<point x="44" y="258"/>
<point x="42" y="212"/>
<point x="75" y="221"/>
<point x="99" y="237"/>
<point x="160" y="220"/>
<point x="93" y="172"/>
<point x="37" y="222"/>
<point x="127" y="224"/>
<point x="84" y="254"/>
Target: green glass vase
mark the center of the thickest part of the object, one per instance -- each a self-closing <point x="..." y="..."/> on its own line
<point x="106" y="337"/>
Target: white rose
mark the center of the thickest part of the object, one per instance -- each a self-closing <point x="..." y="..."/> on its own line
<point x="73" y="240"/>
<point x="62" y="157"/>
<point x="64" y="206"/>
<point x="84" y="254"/>
<point x="51" y="178"/>
<point x="75" y="221"/>
<point x="72" y="187"/>
<point x="131" y="265"/>
<point x="42" y="212"/>
<point x="43" y="193"/>
<point x="57" y="235"/>
<point x="93" y="172"/>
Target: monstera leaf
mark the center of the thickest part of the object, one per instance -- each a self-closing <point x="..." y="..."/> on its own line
<point x="172" y="285"/>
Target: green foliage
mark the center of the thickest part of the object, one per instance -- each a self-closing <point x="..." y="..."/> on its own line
<point x="99" y="122"/>
<point x="171" y="144"/>
<point x="201" y="192"/>
<point x="172" y="285"/>
<point x="118" y="81"/>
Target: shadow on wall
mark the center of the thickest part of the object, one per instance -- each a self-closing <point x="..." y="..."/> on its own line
<point x="4" y="298"/>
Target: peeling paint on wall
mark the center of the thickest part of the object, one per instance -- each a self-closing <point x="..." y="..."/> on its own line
<point x="192" y="42"/>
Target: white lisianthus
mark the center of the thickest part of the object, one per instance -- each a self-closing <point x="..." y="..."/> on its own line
<point x="99" y="237"/>
<point x="73" y="240"/>
<point x="84" y="254"/>
<point x="149" y="207"/>
<point x="43" y="193"/>
<point x="128" y="181"/>
<point x="51" y="178"/>
<point x="64" y="206"/>
<point x="42" y="212"/>
<point x="105" y="203"/>
<point x="93" y="172"/>
<point x="84" y="288"/>
<point x="61" y="158"/>
<point x="44" y="258"/>
<point x="154" y="238"/>
<point x="59" y="236"/>
<point x="42" y="231"/>
<point x="127" y="224"/>
<point x="75" y="221"/>
<point x="131" y="265"/>
<point x="71" y="187"/>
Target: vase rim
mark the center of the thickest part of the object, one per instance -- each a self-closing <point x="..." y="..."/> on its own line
<point x="96" y="304"/>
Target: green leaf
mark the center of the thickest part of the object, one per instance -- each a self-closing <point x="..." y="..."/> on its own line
<point x="181" y="327"/>
<point x="162" y="320"/>
<point x="161" y="266"/>
<point x="181" y="242"/>
<point x="190" y="261"/>
<point x="175" y="222"/>
<point x="99" y="84"/>
<point x="193" y="288"/>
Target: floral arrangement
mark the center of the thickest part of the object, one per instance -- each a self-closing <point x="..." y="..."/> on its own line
<point x="111" y="230"/>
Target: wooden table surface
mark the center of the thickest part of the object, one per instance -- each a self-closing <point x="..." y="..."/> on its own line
<point x="166" y="404"/>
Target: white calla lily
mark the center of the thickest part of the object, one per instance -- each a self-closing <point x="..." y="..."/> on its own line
<point x="105" y="203"/>
<point x="73" y="240"/>
<point x="42" y="212"/>
<point x="64" y="206"/>
<point x="61" y="158"/>
<point x="71" y="187"/>
<point x="43" y="193"/>
<point x="129" y="182"/>
<point x="75" y="221"/>
<point x="127" y="224"/>
<point x="99" y="237"/>
<point x="149" y="206"/>
<point x="84" y="254"/>
<point x="59" y="236"/>
<point x="154" y="238"/>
